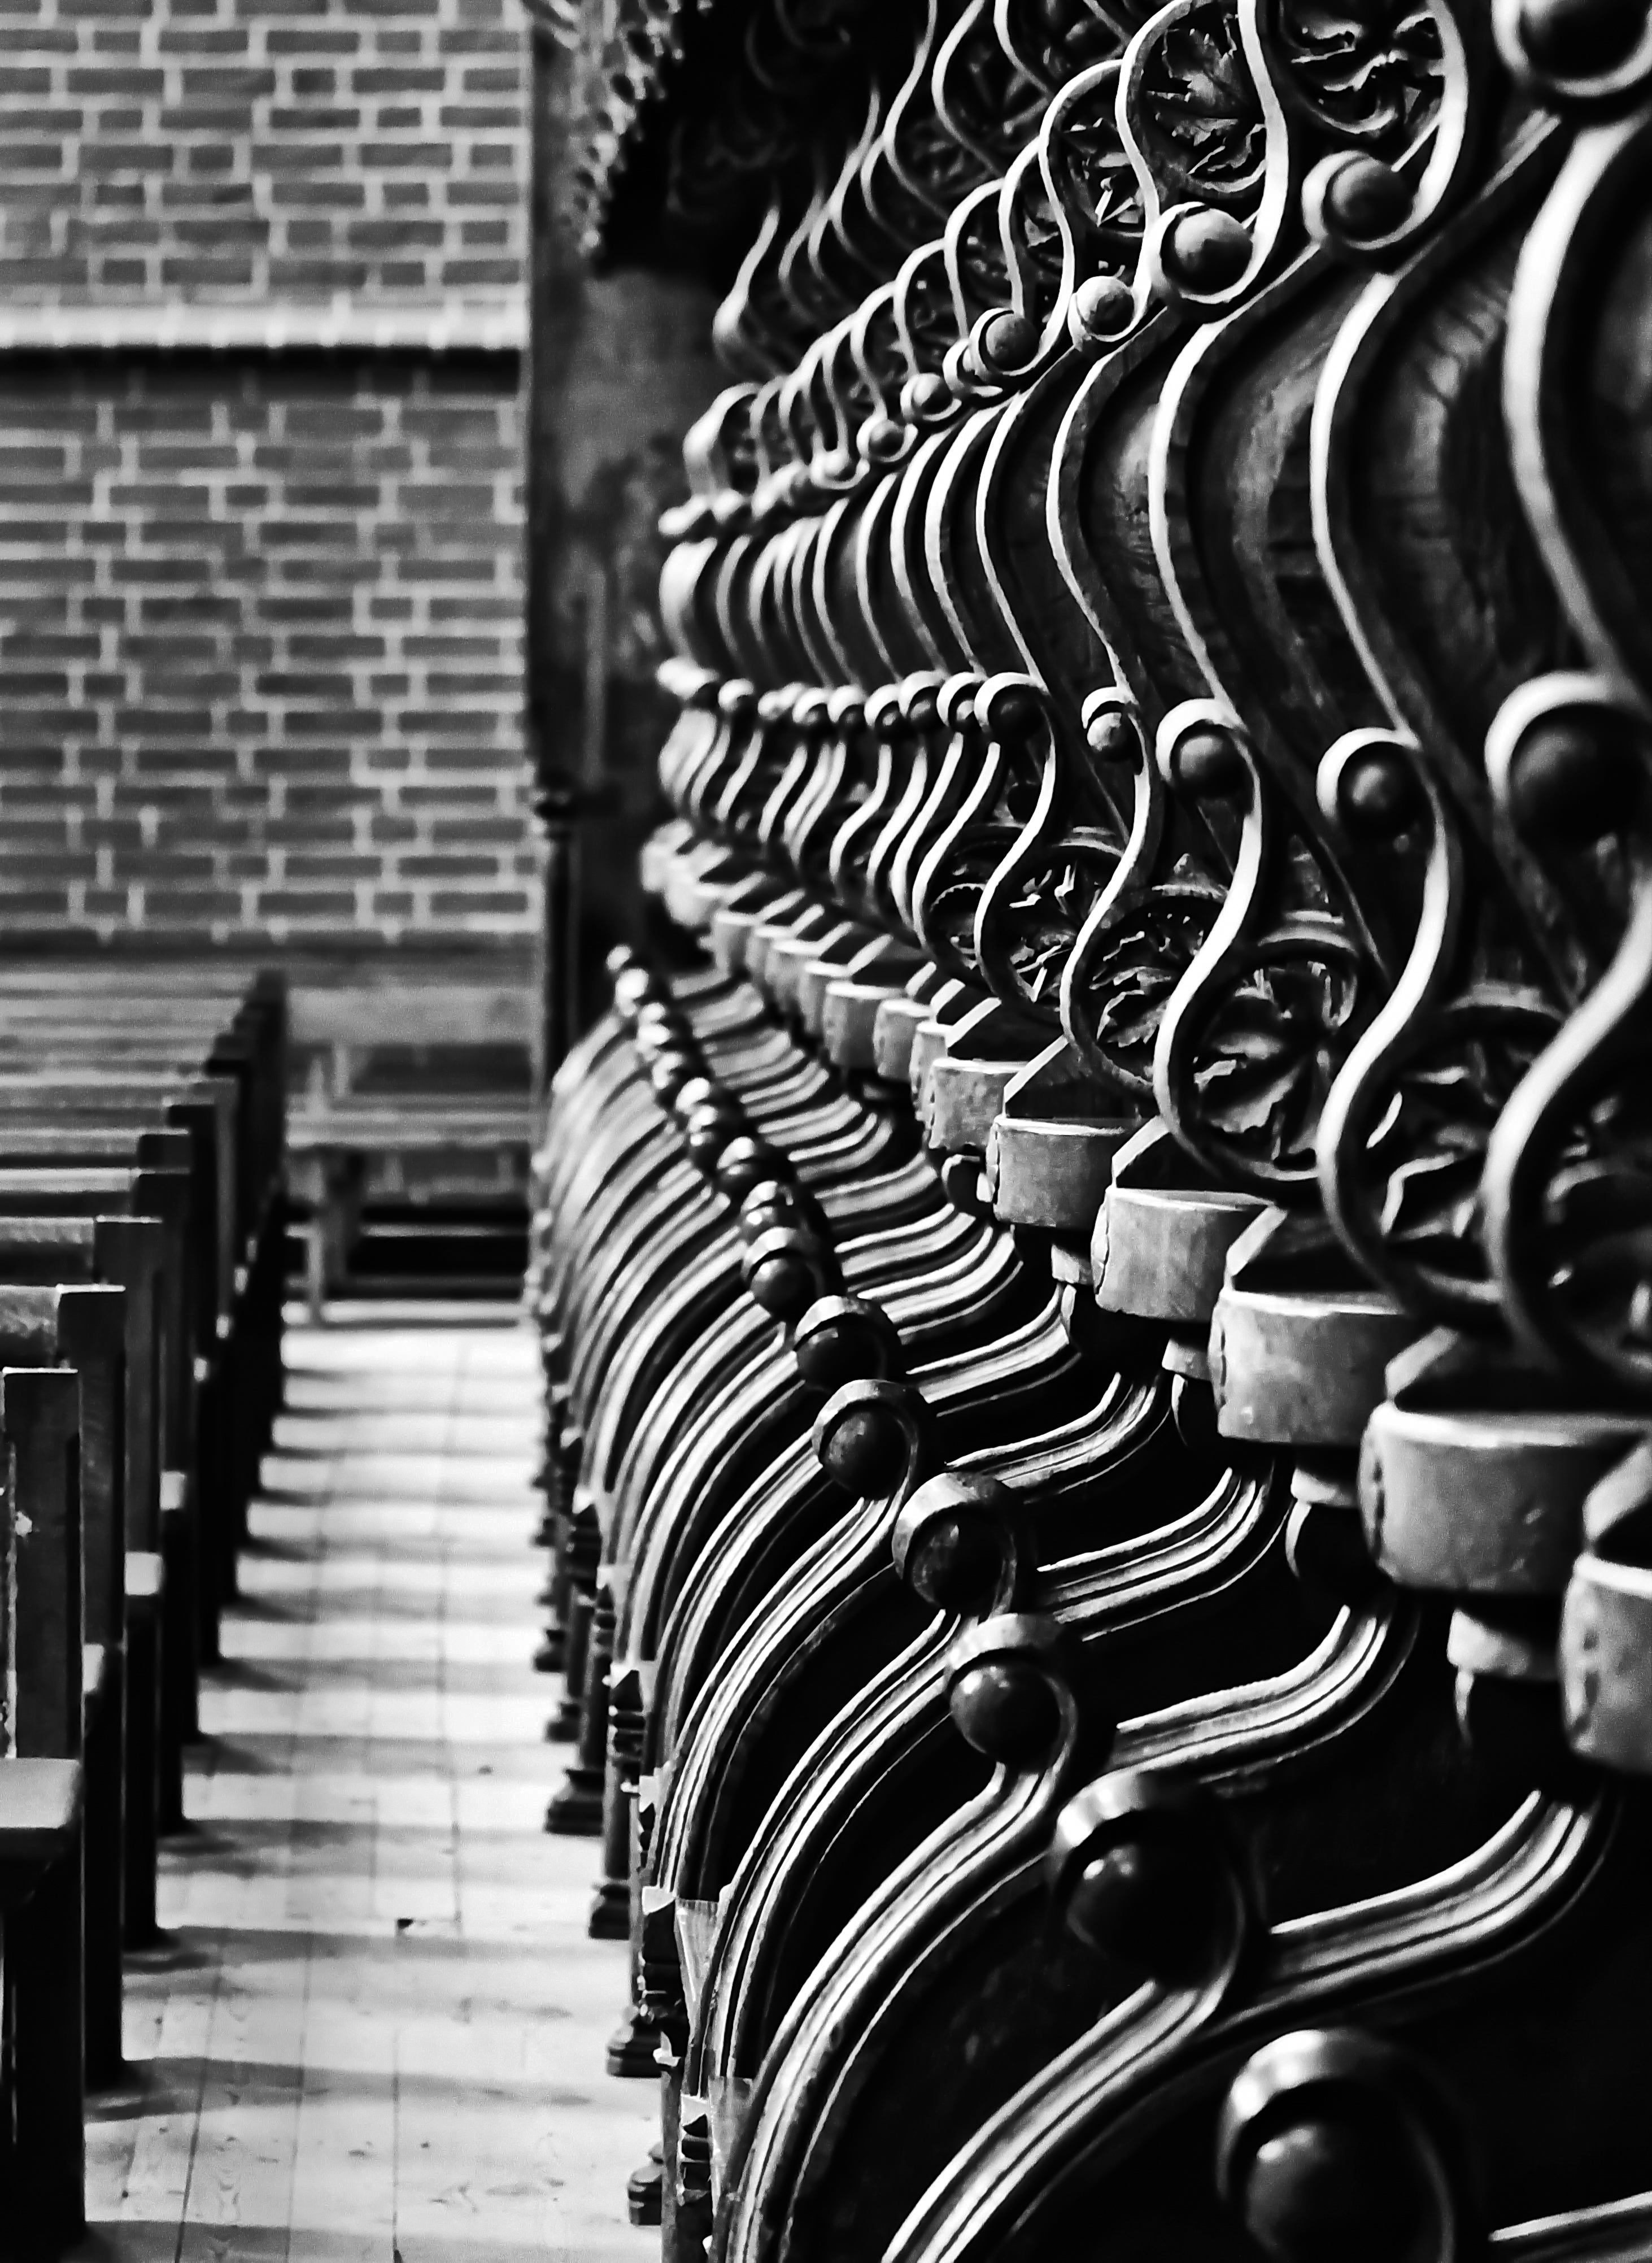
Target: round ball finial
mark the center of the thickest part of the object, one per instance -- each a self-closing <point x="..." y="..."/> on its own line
<point x="1334" y="2147"/>
<point x="633" y="986"/>
<point x="840" y="1340"/>
<point x="953" y="1562"/>
<point x="1340" y="2187"/>
<point x="1581" y="39"/>
<point x="1148" y="1902"/>
<point x="953" y="1543"/>
<point x="1146" y="1874"/>
<point x="1007" y="705"/>
<point x="1206" y="251"/>
<point x="1206" y="763"/>
<point x="881" y="439"/>
<point x="670" y="1071"/>
<point x="785" y="1283"/>
<point x="1112" y="732"/>
<point x="770" y="1203"/>
<point x="736" y="700"/>
<point x="1008" y="341"/>
<point x="1573" y="777"/>
<point x="812" y="710"/>
<point x="920" y="702"/>
<point x="883" y="715"/>
<point x="864" y="1447"/>
<point x="745" y="1163"/>
<point x="1378" y="796"/>
<point x="1103" y="307"/>
<point x="1366" y="199"/>
<point x="1005" y="1708"/>
<point x="926" y="397"/>
<point x="709" y="1131"/>
<point x="659" y="1027"/>
<point x="699" y="1091"/>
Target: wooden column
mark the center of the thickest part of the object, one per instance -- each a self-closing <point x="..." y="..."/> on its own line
<point x="619" y="364"/>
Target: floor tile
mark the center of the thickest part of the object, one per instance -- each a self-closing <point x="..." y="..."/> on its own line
<point x="376" y="2024"/>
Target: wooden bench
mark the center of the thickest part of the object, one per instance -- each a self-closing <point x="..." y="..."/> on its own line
<point x="141" y="1228"/>
<point x="42" y="1810"/>
<point x="125" y="1211"/>
<point x="83" y="1329"/>
<point x="364" y="1110"/>
<point x="129" y="1254"/>
<point x="329" y="1151"/>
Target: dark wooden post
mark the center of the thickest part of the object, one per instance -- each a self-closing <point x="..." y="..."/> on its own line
<point x="40" y="1436"/>
<point x="553" y="706"/>
<point x="619" y="364"/>
<point x="557" y="805"/>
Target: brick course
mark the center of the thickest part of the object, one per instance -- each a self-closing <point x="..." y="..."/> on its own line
<point x="260" y="612"/>
<point x="260" y="630"/>
<point x="244" y="149"/>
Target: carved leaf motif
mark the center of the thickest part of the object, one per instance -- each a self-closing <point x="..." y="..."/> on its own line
<point x="930" y="320"/>
<point x="1431" y="1151"/>
<point x="929" y="159"/>
<point x="1037" y="240"/>
<point x="1046" y="916"/>
<point x="987" y="102"/>
<point x="981" y="263"/>
<point x="1116" y="212"/>
<point x="1040" y="952"/>
<point x="1099" y="190"/>
<point x="1128" y="977"/>
<point x="1271" y="1054"/>
<point x="1054" y="45"/>
<point x="1374" y="78"/>
<point x="1597" y="1220"/>
<point x="882" y="350"/>
<point x="1198" y="100"/>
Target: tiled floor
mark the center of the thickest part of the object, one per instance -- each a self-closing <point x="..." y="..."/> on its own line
<point x="376" y="2028"/>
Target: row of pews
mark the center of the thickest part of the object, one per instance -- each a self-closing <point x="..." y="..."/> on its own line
<point x="1096" y="1278"/>
<point x="141" y="1266"/>
<point x="1031" y="1795"/>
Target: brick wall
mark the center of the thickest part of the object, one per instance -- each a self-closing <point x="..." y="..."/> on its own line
<point x="213" y="149"/>
<point x="260" y="650"/>
<point x="260" y="609"/>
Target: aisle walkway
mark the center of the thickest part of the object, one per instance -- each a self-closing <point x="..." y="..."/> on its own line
<point x="376" y="2028"/>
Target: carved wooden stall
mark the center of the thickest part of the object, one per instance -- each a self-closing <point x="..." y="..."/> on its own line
<point x="1096" y="1279"/>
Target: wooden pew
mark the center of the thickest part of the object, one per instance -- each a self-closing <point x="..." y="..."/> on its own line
<point x="130" y="1254"/>
<point x="43" y="2150"/>
<point x="84" y="1329"/>
<point x="141" y="1279"/>
<point x="197" y="1415"/>
<point x="124" y="1198"/>
<point x="225" y="1301"/>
